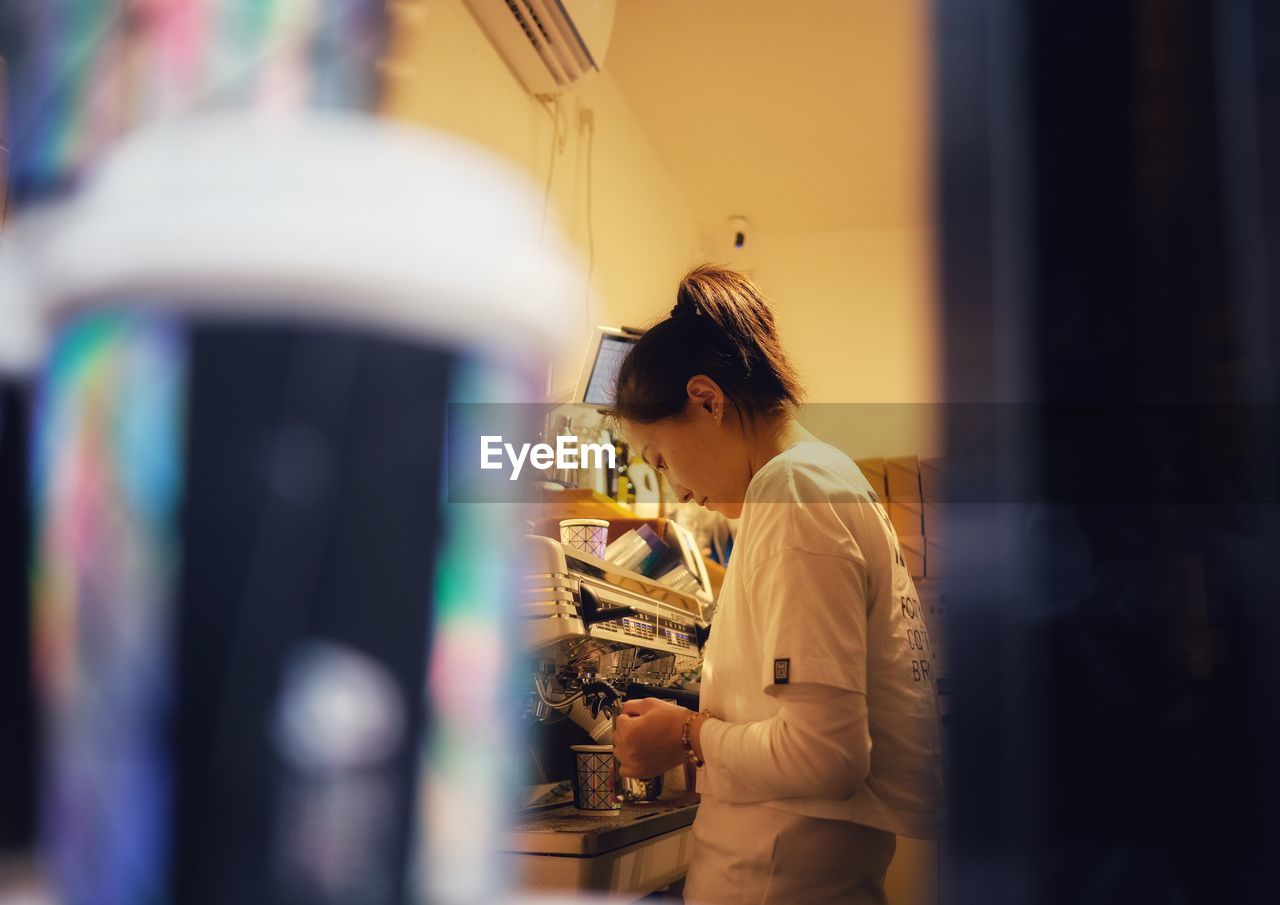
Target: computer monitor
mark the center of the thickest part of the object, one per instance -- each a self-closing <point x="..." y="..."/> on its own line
<point x="607" y="348"/>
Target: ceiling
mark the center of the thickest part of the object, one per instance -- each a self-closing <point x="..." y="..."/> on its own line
<point x="798" y="114"/>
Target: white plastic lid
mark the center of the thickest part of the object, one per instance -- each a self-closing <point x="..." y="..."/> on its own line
<point x="21" y="336"/>
<point x="325" y="216"/>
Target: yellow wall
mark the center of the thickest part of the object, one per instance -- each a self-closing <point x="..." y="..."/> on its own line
<point x="856" y="311"/>
<point x="444" y="74"/>
<point x="854" y="306"/>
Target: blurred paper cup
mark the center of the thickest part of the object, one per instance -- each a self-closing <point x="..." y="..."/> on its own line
<point x="590" y="535"/>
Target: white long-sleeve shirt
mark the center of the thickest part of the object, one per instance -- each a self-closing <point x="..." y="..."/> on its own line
<point x="816" y="746"/>
<point x="819" y="669"/>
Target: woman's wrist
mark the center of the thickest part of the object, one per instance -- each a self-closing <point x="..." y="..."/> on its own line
<point x="691" y="738"/>
<point x="695" y="734"/>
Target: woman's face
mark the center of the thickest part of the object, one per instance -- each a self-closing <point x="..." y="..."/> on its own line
<point x="702" y="453"/>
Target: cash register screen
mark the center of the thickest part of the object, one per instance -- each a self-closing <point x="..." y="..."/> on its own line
<point x="609" y="352"/>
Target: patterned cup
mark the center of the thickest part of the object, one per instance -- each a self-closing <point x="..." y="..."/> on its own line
<point x="595" y="779"/>
<point x="590" y="535"/>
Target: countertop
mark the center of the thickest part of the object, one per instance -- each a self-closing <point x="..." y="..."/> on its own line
<point x="565" y="831"/>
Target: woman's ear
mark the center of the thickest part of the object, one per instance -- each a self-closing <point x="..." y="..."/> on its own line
<point x="706" y="394"/>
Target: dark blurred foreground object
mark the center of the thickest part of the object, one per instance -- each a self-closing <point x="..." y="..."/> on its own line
<point x="20" y="351"/>
<point x="1110" y="217"/>
<point x="245" y="560"/>
<point x="17" y="713"/>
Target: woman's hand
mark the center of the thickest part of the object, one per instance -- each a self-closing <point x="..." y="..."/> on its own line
<point x="647" y="739"/>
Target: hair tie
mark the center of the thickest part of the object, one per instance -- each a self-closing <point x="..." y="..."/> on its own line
<point x="685" y="308"/>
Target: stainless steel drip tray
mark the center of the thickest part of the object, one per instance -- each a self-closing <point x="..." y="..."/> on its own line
<point x="564" y="831"/>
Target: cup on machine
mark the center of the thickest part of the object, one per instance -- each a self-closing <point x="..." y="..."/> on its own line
<point x="590" y="535"/>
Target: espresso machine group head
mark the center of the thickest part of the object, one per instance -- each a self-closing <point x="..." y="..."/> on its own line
<point x="592" y="630"/>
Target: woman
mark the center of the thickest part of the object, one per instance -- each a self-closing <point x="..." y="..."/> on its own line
<point x="819" y="741"/>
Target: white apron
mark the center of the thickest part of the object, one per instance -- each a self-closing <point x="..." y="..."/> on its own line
<point x="750" y="854"/>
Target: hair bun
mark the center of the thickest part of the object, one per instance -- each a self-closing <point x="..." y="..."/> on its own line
<point x="720" y="326"/>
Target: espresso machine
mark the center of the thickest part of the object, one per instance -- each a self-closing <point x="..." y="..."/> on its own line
<point x="595" y="634"/>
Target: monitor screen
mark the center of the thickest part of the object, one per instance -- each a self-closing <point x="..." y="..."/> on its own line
<point x="609" y="353"/>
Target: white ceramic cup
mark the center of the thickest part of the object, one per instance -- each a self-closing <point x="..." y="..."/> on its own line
<point x="590" y="535"/>
<point x="595" y="779"/>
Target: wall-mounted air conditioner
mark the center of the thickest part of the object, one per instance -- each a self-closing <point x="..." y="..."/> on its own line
<point x="551" y="45"/>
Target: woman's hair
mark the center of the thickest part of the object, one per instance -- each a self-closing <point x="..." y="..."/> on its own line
<point x="722" y="327"/>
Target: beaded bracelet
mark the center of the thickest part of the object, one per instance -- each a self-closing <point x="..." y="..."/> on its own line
<point x="687" y="743"/>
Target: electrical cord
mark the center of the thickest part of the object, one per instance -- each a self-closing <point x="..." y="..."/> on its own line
<point x="591" y="233"/>
<point x="553" y="108"/>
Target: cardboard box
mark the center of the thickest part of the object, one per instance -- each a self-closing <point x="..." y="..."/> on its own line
<point x="935" y="558"/>
<point x="907" y="517"/>
<point x="874" y="471"/>
<point x="913" y="551"/>
<point x="933" y="480"/>
<point x="935" y="519"/>
<point x="904" y="478"/>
